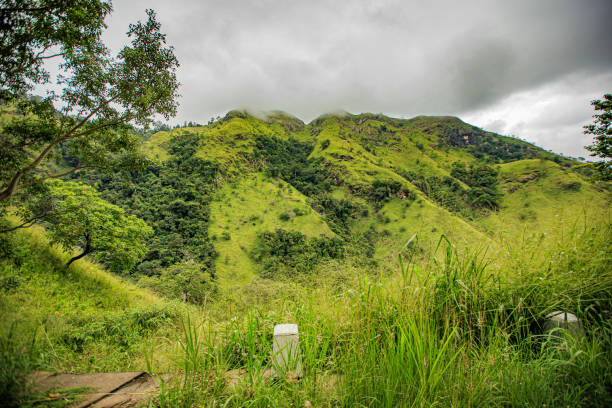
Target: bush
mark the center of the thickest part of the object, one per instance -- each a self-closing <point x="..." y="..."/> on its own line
<point x="484" y="183"/>
<point x="285" y="216"/>
<point x="187" y="281"/>
<point x="382" y="191"/>
<point x="572" y="186"/>
<point x="337" y="211"/>
<point x="10" y="283"/>
<point x="283" y="252"/>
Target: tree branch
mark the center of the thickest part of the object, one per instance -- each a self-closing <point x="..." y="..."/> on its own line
<point x="59" y="54"/>
<point x="52" y="176"/>
<point x="13" y="184"/>
<point x="85" y="119"/>
<point x="26" y="224"/>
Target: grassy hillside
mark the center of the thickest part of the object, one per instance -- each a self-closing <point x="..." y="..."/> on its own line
<point x="538" y="193"/>
<point x="250" y="206"/>
<point x="76" y="319"/>
<point x="394" y="177"/>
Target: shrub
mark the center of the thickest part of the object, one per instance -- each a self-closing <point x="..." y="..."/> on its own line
<point x="484" y="183"/>
<point x="337" y="211"/>
<point x="382" y="191"/>
<point x="572" y="186"/>
<point x="286" y="216"/>
<point x="187" y="281"/>
<point x="288" y="160"/>
<point x="283" y="252"/>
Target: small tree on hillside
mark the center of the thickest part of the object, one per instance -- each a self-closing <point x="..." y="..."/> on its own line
<point x="188" y="280"/>
<point x="602" y="130"/>
<point x="76" y="217"/>
<point x="101" y="97"/>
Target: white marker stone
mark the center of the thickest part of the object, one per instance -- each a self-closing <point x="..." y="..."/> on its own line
<point x="285" y="351"/>
<point x="563" y="320"/>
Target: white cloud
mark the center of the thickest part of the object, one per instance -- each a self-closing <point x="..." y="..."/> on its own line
<point x="551" y="116"/>
<point x="526" y="67"/>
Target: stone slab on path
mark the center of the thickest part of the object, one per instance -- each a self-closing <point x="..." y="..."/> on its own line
<point x="106" y="389"/>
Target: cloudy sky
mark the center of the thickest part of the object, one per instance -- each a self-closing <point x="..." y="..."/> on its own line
<point x="522" y="68"/>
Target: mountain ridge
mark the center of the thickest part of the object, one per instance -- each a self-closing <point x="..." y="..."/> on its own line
<point x="367" y="175"/>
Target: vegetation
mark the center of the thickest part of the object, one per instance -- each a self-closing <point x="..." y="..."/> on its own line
<point x="445" y="191"/>
<point x="189" y="281"/>
<point x="173" y="198"/>
<point x="83" y="319"/>
<point x="260" y="221"/>
<point x="283" y="253"/>
<point x="601" y="129"/>
<point x="101" y="96"/>
<point x="76" y="216"/>
<point x="483" y="180"/>
<point x="289" y="160"/>
<point x="420" y="258"/>
<point x="436" y="334"/>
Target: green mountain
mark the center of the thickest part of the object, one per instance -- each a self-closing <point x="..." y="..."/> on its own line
<point x="270" y="197"/>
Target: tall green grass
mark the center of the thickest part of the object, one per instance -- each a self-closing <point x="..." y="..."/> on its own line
<point x="454" y="331"/>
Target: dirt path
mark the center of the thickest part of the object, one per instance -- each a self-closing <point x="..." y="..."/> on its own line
<point x="106" y="389"/>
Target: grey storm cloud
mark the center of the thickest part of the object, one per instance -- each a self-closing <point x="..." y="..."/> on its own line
<point x="402" y="58"/>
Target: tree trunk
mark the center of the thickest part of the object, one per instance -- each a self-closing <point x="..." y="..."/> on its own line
<point x="10" y="189"/>
<point x="88" y="249"/>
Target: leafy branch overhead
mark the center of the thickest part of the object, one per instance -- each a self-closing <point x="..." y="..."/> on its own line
<point x="101" y="96"/>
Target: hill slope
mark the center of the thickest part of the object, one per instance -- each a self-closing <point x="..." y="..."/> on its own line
<point x="374" y="182"/>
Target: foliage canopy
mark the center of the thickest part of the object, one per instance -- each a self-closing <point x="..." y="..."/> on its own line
<point x="76" y="216"/>
<point x="601" y="129"/>
<point x="101" y="96"/>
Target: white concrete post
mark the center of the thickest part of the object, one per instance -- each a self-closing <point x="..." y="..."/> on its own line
<point x="286" y="351"/>
<point x="563" y="320"/>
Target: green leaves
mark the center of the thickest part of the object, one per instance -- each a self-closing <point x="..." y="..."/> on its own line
<point x="174" y="199"/>
<point x="484" y="183"/>
<point x="78" y="217"/>
<point x="101" y="96"/>
<point x="601" y="129"/>
<point x="187" y="280"/>
<point x="285" y="252"/>
<point x="36" y="30"/>
<point x="144" y="78"/>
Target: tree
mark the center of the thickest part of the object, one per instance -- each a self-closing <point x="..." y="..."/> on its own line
<point x="188" y="280"/>
<point x="101" y="96"/>
<point x="76" y="216"/>
<point x="484" y="184"/>
<point x="601" y="129"/>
